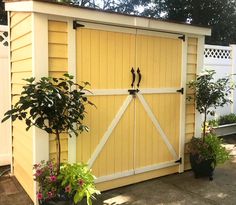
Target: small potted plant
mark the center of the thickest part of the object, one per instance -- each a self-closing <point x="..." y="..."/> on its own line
<point x="56" y="105"/>
<point x="206" y="152"/>
<point x="73" y="183"/>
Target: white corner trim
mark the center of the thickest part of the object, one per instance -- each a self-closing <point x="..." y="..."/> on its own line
<point x="157" y="125"/>
<point x="105" y="17"/>
<point x="109" y="130"/>
<point x="10" y="88"/>
<point x="39" y="69"/>
<point x="72" y="71"/>
<point x="183" y="104"/>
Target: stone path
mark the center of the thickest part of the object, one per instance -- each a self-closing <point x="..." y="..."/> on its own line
<point x="11" y="193"/>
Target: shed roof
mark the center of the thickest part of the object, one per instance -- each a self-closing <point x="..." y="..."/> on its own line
<point x="105" y="17"/>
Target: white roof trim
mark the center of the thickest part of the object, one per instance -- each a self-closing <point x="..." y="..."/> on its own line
<point x="103" y="17"/>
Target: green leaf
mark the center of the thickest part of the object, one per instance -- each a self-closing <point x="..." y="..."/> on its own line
<point x="78" y="196"/>
<point x="28" y="122"/>
<point x="89" y="201"/>
<point x="6" y="118"/>
<point x="48" y="130"/>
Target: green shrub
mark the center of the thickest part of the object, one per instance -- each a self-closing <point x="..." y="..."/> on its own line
<point x="213" y="123"/>
<point x="223" y="120"/>
<point x="227" y="119"/>
<point x="211" y="148"/>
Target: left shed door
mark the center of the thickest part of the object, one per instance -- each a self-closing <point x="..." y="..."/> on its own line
<point x="105" y="58"/>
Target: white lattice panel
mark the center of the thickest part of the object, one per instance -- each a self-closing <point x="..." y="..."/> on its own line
<point x="4" y="38"/>
<point x="217" y="52"/>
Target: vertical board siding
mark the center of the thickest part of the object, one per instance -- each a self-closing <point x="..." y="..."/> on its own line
<point x="105" y="59"/>
<point x="190" y="107"/>
<point x="21" y="67"/>
<point x="159" y="60"/>
<point x="58" y="65"/>
<point x="153" y="55"/>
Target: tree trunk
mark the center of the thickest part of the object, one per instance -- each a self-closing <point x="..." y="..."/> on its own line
<point x="58" y="151"/>
<point x="204" y="125"/>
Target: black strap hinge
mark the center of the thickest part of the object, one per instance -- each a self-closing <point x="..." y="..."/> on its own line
<point x="181" y="90"/>
<point x="182" y="37"/>
<point x="77" y="25"/>
<point x="179" y="160"/>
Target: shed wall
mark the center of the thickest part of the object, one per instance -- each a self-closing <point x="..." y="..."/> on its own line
<point x="192" y="49"/>
<point x="58" y="65"/>
<point x="21" y="67"/>
<point x="21" y="61"/>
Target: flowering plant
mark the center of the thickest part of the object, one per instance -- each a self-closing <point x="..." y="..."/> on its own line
<point x="74" y="181"/>
<point x="78" y="182"/>
<point x="45" y="175"/>
<point x="211" y="148"/>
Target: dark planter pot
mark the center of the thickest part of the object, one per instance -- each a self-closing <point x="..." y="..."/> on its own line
<point x="57" y="202"/>
<point x="62" y="202"/>
<point x="202" y="168"/>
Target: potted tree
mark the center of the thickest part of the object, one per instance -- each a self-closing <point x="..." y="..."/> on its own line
<point x="56" y="105"/>
<point x="206" y="152"/>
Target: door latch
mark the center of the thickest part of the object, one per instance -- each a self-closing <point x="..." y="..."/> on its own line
<point x="133" y="91"/>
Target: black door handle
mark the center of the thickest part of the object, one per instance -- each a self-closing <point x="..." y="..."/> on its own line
<point x="139" y="77"/>
<point x="133" y="77"/>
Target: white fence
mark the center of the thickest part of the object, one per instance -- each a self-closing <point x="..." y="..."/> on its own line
<point x="5" y="135"/>
<point x="222" y="59"/>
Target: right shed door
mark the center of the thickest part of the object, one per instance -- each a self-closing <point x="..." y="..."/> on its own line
<point x="157" y="125"/>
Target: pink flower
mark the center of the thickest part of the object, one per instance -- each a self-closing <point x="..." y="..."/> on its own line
<point x="50" y="194"/>
<point x="50" y="165"/>
<point x="80" y="182"/>
<point x="39" y="196"/>
<point x="68" y="189"/>
<point x="53" y="178"/>
<point x="38" y="172"/>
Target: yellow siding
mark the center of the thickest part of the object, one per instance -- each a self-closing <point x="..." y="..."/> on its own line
<point x="190" y="107"/>
<point x="159" y="60"/>
<point x="105" y="59"/>
<point x="21" y="62"/>
<point x="58" y="65"/>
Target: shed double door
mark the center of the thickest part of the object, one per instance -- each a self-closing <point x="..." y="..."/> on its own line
<point x="134" y="128"/>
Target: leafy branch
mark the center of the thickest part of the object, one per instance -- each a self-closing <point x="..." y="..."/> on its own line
<point x="55" y="105"/>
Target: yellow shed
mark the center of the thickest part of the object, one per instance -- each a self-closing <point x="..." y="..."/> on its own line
<point x="138" y="69"/>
